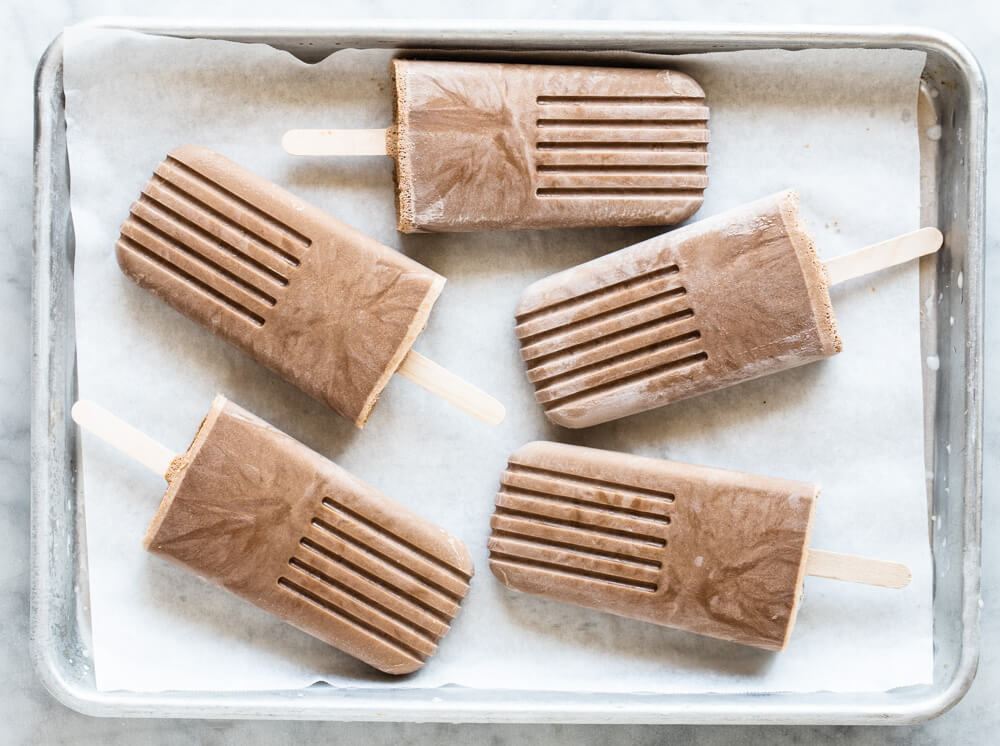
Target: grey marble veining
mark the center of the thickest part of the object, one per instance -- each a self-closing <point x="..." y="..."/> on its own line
<point x="29" y="715"/>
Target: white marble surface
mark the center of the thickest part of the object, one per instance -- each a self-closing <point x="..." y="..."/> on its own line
<point x="29" y="715"/>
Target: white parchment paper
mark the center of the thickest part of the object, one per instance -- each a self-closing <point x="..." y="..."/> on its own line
<point x="840" y="126"/>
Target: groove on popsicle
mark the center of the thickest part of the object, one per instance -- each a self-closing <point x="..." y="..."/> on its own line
<point x="623" y="191"/>
<point x="440" y="602"/>
<point x="284" y="239"/>
<point x="679" y="182"/>
<point x="513" y="561"/>
<point x="588" y="136"/>
<point x="527" y="488"/>
<point x="556" y="520"/>
<point x="621" y="110"/>
<point x="455" y="574"/>
<point x="629" y="145"/>
<point x="614" y="348"/>
<point x="215" y="270"/>
<point x="651" y="501"/>
<point x="450" y="594"/>
<point x="354" y="621"/>
<point x="557" y="506"/>
<point x="212" y="223"/>
<point x="669" y="367"/>
<point x="616" y="546"/>
<point x="576" y="557"/>
<point x="555" y="509"/>
<point x="188" y="280"/>
<point x="665" y="121"/>
<point x="584" y="99"/>
<point x="614" y="369"/>
<point x="622" y="557"/>
<point x="339" y="593"/>
<point x="623" y="168"/>
<point x="547" y="495"/>
<point x="414" y="606"/>
<point x="582" y="526"/>
<point x="587" y="298"/>
<point x="636" y="130"/>
<point x="197" y="241"/>
<point x="682" y="156"/>
<point x="658" y="306"/>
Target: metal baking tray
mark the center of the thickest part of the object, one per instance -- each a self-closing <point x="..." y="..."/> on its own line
<point x="952" y="176"/>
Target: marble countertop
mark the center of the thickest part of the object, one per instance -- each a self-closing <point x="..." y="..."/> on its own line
<point x="30" y="716"/>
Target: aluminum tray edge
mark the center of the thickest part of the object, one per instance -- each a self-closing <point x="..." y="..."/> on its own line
<point x="49" y="416"/>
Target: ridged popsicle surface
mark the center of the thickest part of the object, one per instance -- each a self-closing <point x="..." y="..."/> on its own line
<point x="257" y="513"/>
<point x="715" y="552"/>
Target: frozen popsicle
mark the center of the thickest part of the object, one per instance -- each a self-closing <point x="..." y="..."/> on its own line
<point x="488" y="146"/>
<point x="715" y="552"/>
<point x="724" y="300"/>
<point x="329" y="309"/>
<point x="253" y="511"/>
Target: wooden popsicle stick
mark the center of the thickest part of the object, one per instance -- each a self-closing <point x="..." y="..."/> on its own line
<point x="123" y="436"/>
<point x="454" y="390"/>
<point x="334" y="142"/>
<point x="853" y="569"/>
<point x="882" y="255"/>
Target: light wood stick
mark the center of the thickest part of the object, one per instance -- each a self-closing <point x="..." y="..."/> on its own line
<point x="118" y="433"/>
<point x="882" y="255"/>
<point x="451" y="388"/>
<point x="853" y="569"/>
<point x="334" y="142"/>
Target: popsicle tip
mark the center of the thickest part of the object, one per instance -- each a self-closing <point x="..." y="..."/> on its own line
<point x="935" y="238"/>
<point x="288" y="142"/>
<point x="79" y="410"/>
<point x="493" y="413"/>
<point x="900" y="576"/>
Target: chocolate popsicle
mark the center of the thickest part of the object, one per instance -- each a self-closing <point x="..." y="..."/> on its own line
<point x="710" y="551"/>
<point x="724" y="300"/>
<point x="495" y="146"/>
<point x="327" y="308"/>
<point x="257" y="513"/>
